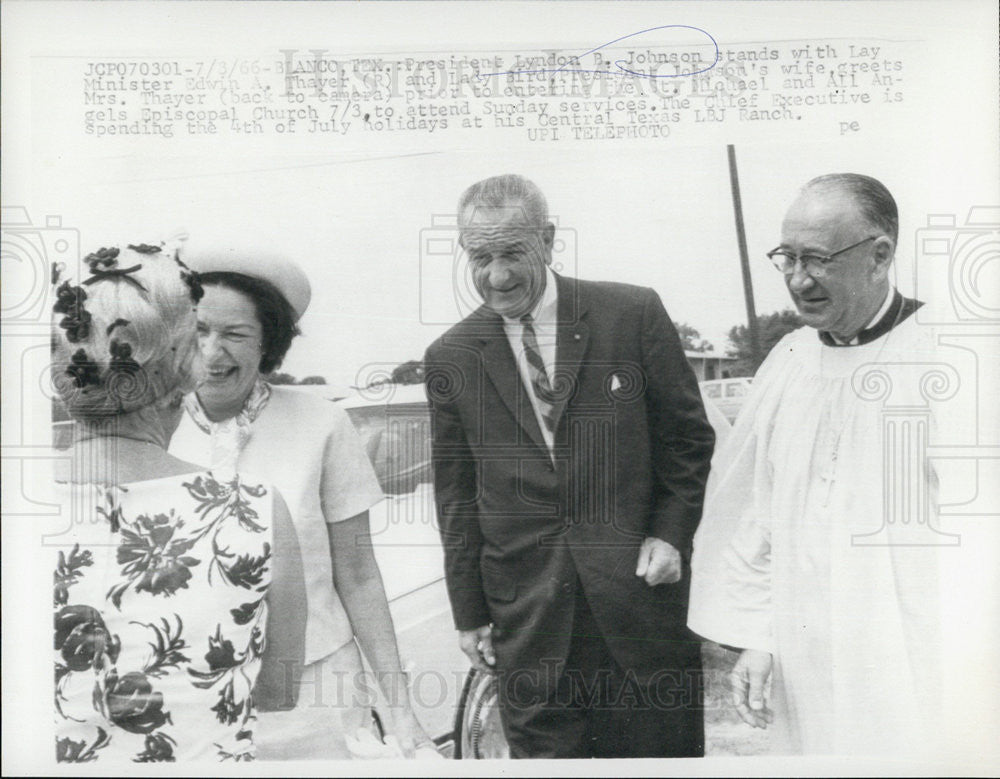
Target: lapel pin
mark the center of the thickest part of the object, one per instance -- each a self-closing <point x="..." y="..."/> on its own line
<point x="576" y="336"/>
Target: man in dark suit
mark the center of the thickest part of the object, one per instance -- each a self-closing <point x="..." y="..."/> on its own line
<point x="571" y="451"/>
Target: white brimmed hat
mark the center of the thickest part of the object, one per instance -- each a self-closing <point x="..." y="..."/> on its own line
<point x="283" y="273"/>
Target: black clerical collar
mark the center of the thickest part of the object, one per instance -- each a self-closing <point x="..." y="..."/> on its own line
<point x="899" y="310"/>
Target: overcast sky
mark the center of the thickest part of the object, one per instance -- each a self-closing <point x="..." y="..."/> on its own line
<point x="660" y="218"/>
<point x="356" y="213"/>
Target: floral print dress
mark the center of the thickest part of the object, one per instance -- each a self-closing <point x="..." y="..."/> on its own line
<point x="159" y="610"/>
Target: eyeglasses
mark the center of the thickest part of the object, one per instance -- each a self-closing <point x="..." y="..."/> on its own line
<point x="816" y="265"/>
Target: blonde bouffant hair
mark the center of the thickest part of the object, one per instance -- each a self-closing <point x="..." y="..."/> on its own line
<point x="125" y="337"/>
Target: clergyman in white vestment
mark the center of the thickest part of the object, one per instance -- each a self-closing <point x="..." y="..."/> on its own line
<point x="819" y="554"/>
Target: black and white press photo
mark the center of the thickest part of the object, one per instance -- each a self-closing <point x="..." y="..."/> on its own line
<point x="513" y="383"/>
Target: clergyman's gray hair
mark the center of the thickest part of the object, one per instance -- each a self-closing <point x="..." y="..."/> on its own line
<point x="873" y="199"/>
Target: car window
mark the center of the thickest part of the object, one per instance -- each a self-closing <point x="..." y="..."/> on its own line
<point x="397" y="439"/>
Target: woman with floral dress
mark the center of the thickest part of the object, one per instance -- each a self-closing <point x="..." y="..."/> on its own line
<point x="177" y="591"/>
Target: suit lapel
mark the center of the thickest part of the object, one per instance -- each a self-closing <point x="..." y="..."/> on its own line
<point x="572" y="339"/>
<point x="498" y="360"/>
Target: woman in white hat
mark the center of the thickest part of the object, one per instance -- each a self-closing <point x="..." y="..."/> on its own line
<point x="175" y="590"/>
<point x="309" y="448"/>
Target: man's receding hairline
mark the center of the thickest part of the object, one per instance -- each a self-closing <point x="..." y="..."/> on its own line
<point x="871" y="199"/>
<point x="828" y="185"/>
<point x="844" y="191"/>
<point x="828" y="188"/>
<point x="511" y="209"/>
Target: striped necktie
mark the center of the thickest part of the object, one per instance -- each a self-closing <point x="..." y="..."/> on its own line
<point x="536" y="372"/>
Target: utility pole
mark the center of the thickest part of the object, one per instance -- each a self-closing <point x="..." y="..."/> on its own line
<point x="741" y="237"/>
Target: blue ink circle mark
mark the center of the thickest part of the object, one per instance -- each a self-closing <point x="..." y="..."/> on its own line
<point x="618" y="63"/>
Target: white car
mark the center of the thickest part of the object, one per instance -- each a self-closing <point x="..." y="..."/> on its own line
<point x="727" y="394"/>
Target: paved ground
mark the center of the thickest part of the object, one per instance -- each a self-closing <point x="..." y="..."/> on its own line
<point x="725" y="733"/>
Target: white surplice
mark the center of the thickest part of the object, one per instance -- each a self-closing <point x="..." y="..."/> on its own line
<point x="794" y="555"/>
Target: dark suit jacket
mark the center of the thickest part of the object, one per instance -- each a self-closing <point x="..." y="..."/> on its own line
<point x="632" y="452"/>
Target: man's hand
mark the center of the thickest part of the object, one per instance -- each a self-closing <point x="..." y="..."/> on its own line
<point x="659" y="562"/>
<point x="746" y="684"/>
<point x="478" y="647"/>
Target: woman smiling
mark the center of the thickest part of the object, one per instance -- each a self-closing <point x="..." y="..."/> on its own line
<point x="310" y="450"/>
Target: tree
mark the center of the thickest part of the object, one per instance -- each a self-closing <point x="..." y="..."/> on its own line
<point x="691" y="339"/>
<point x="410" y="372"/>
<point x="771" y="328"/>
<point x="276" y="377"/>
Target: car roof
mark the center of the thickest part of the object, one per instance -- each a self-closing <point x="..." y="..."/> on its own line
<point x="731" y="379"/>
<point x="384" y="395"/>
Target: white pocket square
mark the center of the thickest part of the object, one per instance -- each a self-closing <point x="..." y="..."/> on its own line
<point x="616" y="383"/>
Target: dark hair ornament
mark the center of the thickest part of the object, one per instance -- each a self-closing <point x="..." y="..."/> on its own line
<point x="192" y="279"/>
<point x="104" y="266"/>
<point x="145" y="248"/>
<point x="76" y="322"/>
<point x="84" y="370"/>
<point x="77" y="327"/>
<point x="125" y="381"/>
<point x="106" y="256"/>
<point x="116" y="324"/>
<point x="121" y="357"/>
<point x="68" y="298"/>
<point x="124" y="378"/>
